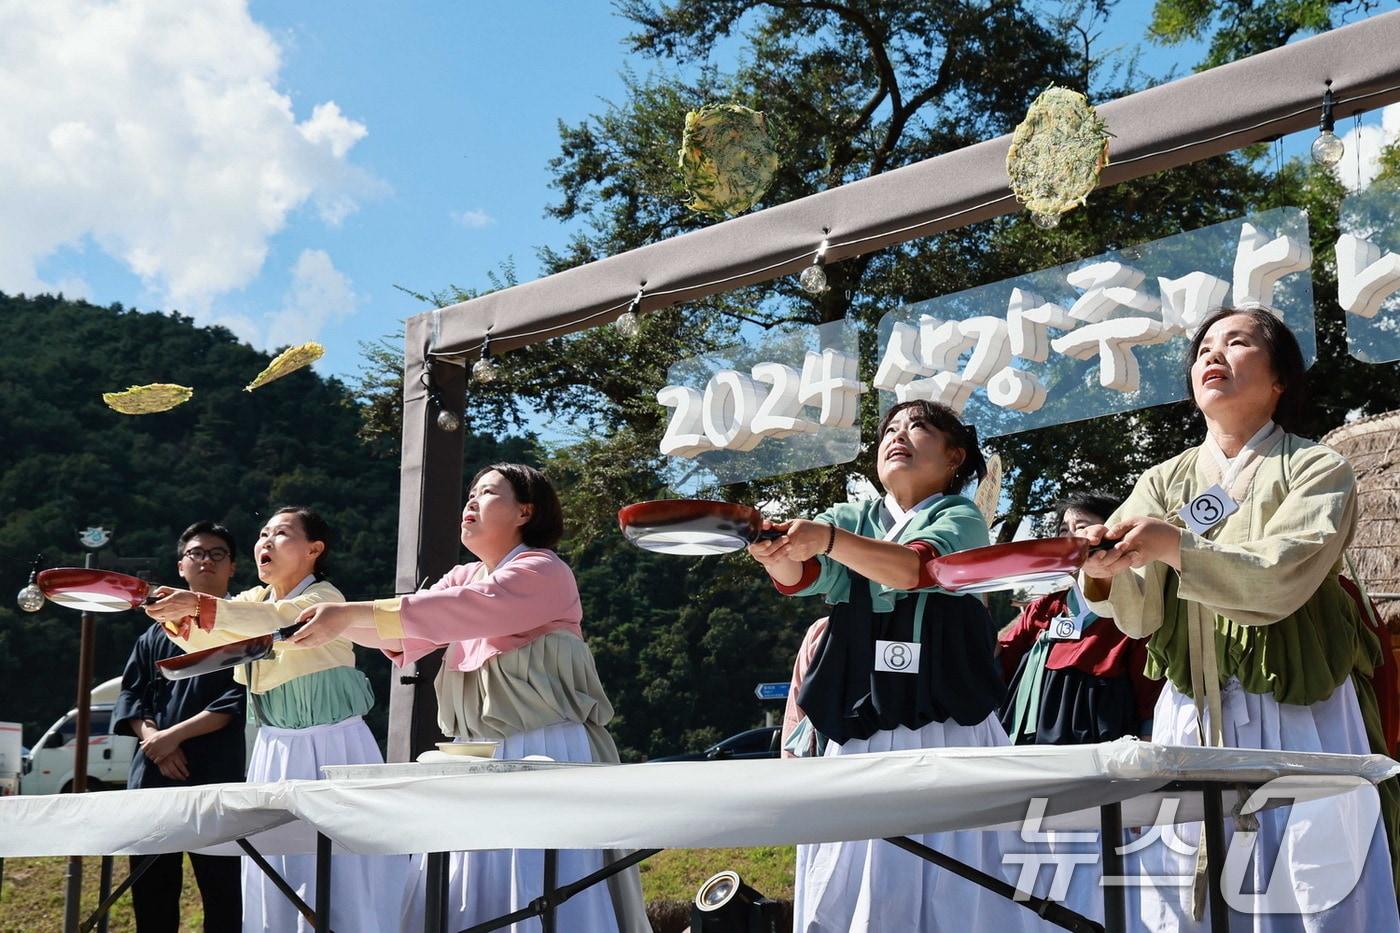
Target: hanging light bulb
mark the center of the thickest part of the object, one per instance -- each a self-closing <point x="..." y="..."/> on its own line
<point x="1327" y="149"/>
<point x="1045" y="221"/>
<point x="813" y="278"/>
<point x="448" y="420"/>
<point x="629" y="322"/>
<point x="31" y="598"/>
<point x="485" y="369"/>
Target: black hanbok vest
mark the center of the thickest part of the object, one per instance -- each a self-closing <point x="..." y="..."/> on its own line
<point x="846" y="698"/>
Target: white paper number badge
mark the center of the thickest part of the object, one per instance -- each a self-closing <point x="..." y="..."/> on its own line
<point x="1066" y="627"/>
<point x="1070" y="624"/>
<point x="897" y="657"/>
<point x="1208" y="509"/>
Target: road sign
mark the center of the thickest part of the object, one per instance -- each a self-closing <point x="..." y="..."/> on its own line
<point x="772" y="691"/>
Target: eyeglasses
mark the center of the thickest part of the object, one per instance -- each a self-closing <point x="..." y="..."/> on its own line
<point x="215" y="554"/>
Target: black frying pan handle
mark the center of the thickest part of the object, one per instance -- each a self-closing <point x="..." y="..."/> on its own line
<point x="1104" y="545"/>
<point x="770" y="534"/>
<point x="282" y="634"/>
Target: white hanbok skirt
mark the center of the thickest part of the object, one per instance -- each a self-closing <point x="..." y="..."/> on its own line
<point x="872" y="886"/>
<point x="366" y="890"/>
<point x="488" y="884"/>
<point x="1069" y="870"/>
<point x="1314" y="851"/>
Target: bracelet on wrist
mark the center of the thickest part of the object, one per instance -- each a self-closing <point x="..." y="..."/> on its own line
<point x="830" y="542"/>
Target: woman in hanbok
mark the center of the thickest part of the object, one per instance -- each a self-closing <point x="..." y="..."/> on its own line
<point x="309" y="704"/>
<point x="517" y="671"/>
<point x="932" y="683"/>
<point x="1074" y="678"/>
<point x="1228" y="556"/>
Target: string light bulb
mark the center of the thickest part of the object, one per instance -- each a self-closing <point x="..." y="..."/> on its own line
<point x="447" y="420"/>
<point x="1328" y="148"/>
<point x="485" y="368"/>
<point x="629" y="322"/>
<point x="31" y="598"/>
<point x="813" y="278"/>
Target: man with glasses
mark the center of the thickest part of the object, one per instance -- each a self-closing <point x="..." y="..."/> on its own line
<point x="191" y="732"/>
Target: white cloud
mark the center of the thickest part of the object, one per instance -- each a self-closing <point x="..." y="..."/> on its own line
<point x="1367" y="140"/>
<point x="156" y="129"/>
<point x="329" y="127"/>
<point x="473" y="219"/>
<point x="74" y="287"/>
<point x="319" y="295"/>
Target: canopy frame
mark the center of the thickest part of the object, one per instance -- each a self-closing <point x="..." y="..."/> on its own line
<point x="1184" y="121"/>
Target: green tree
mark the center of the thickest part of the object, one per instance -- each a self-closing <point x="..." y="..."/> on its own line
<point x="1239" y="28"/>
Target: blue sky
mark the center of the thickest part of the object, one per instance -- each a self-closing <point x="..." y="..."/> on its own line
<point x="279" y="167"/>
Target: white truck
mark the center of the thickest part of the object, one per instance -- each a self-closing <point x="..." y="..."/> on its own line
<point x="49" y="768"/>
<point x="11" y="758"/>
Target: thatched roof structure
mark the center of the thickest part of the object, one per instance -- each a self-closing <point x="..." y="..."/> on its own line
<point x="1372" y="445"/>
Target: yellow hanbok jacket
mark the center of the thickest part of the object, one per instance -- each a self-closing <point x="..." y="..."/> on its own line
<point x="254" y="612"/>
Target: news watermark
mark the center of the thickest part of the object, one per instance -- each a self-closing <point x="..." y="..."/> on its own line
<point x="1291" y="849"/>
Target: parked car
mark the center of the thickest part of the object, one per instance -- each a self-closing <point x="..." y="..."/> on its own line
<point x="48" y="768"/>
<point x="763" y="742"/>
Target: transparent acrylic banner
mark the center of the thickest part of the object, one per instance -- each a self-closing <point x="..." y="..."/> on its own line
<point x="1368" y="274"/>
<point x="787" y="400"/>
<point x="1095" y="336"/>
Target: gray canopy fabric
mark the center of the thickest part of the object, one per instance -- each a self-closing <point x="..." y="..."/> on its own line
<point x="1174" y="124"/>
<point x="664" y="804"/>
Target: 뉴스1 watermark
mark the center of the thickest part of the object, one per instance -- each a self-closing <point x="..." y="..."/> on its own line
<point x="1340" y="828"/>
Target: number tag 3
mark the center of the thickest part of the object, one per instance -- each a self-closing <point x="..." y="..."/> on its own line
<point x="897" y="657"/>
<point x="1208" y="509"/>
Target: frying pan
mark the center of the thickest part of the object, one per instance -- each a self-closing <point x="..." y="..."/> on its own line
<point x="693" y="527"/>
<point x="94" y="590"/>
<point x="1009" y="566"/>
<point x="223" y="657"/>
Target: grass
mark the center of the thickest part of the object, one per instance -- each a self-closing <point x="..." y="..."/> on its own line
<point x="676" y="874"/>
<point x="31" y="894"/>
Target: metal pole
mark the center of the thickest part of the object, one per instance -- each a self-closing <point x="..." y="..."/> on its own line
<point x="435" y="892"/>
<point x="323" y="882"/>
<point x="1048" y="910"/>
<point x="73" y="894"/>
<point x="1115" y="906"/>
<point x="551" y="870"/>
<point x="104" y="890"/>
<point x="132" y="876"/>
<point x="1214" y="833"/>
